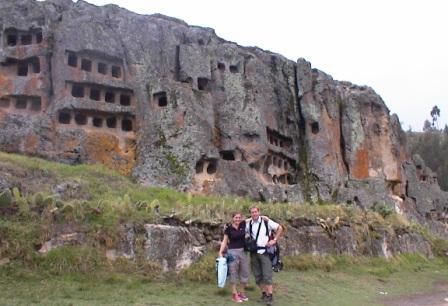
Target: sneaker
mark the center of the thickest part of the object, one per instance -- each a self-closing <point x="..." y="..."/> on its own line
<point x="269" y="301"/>
<point x="263" y="298"/>
<point x="243" y="297"/>
<point x="236" y="298"/>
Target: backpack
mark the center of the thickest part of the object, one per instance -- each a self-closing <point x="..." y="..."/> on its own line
<point x="274" y="255"/>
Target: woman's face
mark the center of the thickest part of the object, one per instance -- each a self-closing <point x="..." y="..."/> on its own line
<point x="236" y="219"/>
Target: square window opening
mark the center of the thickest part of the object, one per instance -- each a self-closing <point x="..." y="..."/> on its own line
<point x="80" y="119"/>
<point x="125" y="100"/>
<point x="202" y="83"/>
<point x="22" y="68"/>
<point x="39" y="37"/>
<point x="86" y="64"/>
<point x="21" y="103"/>
<point x="26" y="39"/>
<point x="35" y="64"/>
<point x="109" y="97"/>
<point x="36" y="105"/>
<point x="116" y="71"/>
<point x="97" y="122"/>
<point x="4" y="103"/>
<point x="160" y="98"/>
<point x="77" y="91"/>
<point x="72" y="59"/>
<point x="12" y="40"/>
<point x="221" y="66"/>
<point x="126" y="125"/>
<point x="233" y="68"/>
<point x="64" y="118"/>
<point x="111" y="122"/>
<point x="102" y="68"/>
<point x="95" y="94"/>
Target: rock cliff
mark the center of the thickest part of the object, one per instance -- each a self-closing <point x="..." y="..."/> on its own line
<point x="175" y="105"/>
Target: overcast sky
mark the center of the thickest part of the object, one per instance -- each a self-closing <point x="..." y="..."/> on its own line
<point x="400" y="48"/>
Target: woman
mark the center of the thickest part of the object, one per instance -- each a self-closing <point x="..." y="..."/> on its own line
<point x="233" y="240"/>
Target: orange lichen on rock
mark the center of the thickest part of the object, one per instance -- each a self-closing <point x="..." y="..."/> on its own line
<point x="105" y="148"/>
<point x="68" y="146"/>
<point x="180" y="119"/>
<point x="31" y="85"/>
<point x="360" y="168"/>
<point x="30" y="143"/>
<point x="5" y="85"/>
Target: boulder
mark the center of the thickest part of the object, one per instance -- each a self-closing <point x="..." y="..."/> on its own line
<point x="172" y="247"/>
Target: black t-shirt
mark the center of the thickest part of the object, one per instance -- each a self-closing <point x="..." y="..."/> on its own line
<point x="236" y="236"/>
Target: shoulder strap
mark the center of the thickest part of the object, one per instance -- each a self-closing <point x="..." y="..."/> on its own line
<point x="258" y="233"/>
<point x="267" y="228"/>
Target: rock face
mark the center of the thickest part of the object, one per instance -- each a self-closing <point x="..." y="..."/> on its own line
<point x="172" y="246"/>
<point x="175" y="247"/>
<point x="312" y="239"/>
<point x="175" y="105"/>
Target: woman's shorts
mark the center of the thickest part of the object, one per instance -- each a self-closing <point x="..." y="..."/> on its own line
<point x="239" y="268"/>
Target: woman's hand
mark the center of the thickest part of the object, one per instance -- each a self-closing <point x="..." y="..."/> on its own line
<point x="271" y="243"/>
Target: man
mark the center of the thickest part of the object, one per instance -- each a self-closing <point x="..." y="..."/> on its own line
<point x="260" y="262"/>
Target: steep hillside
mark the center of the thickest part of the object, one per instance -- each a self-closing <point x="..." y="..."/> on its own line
<point x="46" y="206"/>
<point x="175" y="105"/>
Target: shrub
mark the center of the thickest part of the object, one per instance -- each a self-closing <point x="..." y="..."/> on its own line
<point x="382" y="209"/>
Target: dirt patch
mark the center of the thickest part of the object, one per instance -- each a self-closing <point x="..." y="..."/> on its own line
<point x="437" y="297"/>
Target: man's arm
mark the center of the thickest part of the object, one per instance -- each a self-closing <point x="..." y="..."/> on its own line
<point x="277" y="235"/>
<point x="278" y="232"/>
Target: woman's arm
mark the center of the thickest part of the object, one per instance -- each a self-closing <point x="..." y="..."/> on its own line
<point x="223" y="246"/>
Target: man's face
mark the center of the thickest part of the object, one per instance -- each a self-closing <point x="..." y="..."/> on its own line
<point x="254" y="213"/>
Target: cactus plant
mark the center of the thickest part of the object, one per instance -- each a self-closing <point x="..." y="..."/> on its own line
<point x="38" y="199"/>
<point x="16" y="193"/>
<point x="23" y="206"/>
<point x="48" y="201"/>
<point x="6" y="198"/>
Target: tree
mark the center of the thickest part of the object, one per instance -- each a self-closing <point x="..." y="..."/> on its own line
<point x="432" y="146"/>
<point x="427" y="126"/>
<point x="435" y="113"/>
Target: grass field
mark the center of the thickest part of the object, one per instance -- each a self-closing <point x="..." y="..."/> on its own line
<point x="357" y="284"/>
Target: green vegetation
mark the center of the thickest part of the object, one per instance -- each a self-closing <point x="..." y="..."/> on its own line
<point x="105" y="197"/>
<point x="432" y="146"/>
<point x="104" y="200"/>
<point x="175" y="166"/>
<point x="101" y="201"/>
<point x="348" y="283"/>
<point x="382" y="209"/>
